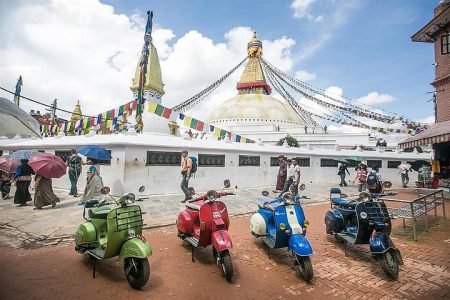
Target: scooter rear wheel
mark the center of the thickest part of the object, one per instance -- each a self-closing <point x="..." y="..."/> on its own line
<point x="137" y="271"/>
<point x="389" y="264"/>
<point x="226" y="265"/>
<point x="304" y="267"/>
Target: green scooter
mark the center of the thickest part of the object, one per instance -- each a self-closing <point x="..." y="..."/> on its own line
<point x="110" y="232"/>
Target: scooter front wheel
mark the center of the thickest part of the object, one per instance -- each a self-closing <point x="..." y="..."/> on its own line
<point x="304" y="267"/>
<point x="137" y="271"/>
<point x="226" y="265"/>
<point x="389" y="264"/>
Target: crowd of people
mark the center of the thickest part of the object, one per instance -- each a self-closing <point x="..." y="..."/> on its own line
<point x="43" y="190"/>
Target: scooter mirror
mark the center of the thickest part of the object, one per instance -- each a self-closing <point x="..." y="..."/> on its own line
<point x="105" y="190"/>
<point x="387" y="184"/>
<point x="141" y="189"/>
<point x="302" y="187"/>
<point x="226" y="183"/>
<point x="365" y="196"/>
<point x="265" y="193"/>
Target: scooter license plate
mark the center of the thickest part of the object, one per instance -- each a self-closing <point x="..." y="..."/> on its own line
<point x="217" y="215"/>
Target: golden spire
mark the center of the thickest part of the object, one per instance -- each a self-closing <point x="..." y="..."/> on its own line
<point x="252" y="79"/>
<point x="254" y="47"/>
<point x="76" y="115"/>
<point x="153" y="86"/>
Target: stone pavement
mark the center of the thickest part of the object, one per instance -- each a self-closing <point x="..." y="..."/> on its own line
<point x="61" y="273"/>
<point x="49" y="225"/>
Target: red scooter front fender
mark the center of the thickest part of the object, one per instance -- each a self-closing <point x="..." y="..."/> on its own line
<point x="221" y="240"/>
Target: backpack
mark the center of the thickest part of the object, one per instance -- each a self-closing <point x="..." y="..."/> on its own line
<point x="372" y="181"/>
<point x="194" y="164"/>
<point x="362" y="176"/>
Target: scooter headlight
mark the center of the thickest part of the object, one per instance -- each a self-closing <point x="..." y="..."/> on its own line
<point x="130" y="198"/>
<point x="131" y="232"/>
<point x="288" y="198"/>
<point x="363" y="215"/>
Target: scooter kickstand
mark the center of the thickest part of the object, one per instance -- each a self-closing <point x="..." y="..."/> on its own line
<point x="193" y="256"/>
<point x="345" y="249"/>
<point x="93" y="268"/>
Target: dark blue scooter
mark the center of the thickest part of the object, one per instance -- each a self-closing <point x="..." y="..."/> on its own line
<point x="280" y="223"/>
<point x="364" y="220"/>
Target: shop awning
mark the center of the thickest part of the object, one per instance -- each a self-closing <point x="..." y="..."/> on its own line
<point x="437" y="133"/>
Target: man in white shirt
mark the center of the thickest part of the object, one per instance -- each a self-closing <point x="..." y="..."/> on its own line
<point x="403" y="170"/>
<point x="289" y="175"/>
<point x="295" y="176"/>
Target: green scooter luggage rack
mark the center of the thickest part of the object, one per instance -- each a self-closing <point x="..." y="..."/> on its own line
<point x="129" y="217"/>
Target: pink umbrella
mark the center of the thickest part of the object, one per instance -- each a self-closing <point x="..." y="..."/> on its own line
<point x="47" y="165"/>
<point x="8" y="165"/>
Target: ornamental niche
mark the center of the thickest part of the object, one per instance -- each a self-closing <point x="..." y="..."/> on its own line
<point x="156" y="158"/>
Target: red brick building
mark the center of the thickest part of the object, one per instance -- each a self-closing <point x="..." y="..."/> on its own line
<point x="437" y="31"/>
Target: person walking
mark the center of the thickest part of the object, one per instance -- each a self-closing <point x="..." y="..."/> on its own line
<point x="5" y="184"/>
<point x="374" y="180"/>
<point x="403" y="170"/>
<point x="361" y="177"/>
<point x="289" y="177"/>
<point x="281" y="177"/>
<point x="43" y="193"/>
<point x="23" y="180"/>
<point x="186" y="168"/>
<point x="74" y="163"/>
<point x="341" y="173"/>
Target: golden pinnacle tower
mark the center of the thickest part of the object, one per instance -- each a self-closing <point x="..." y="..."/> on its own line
<point x="147" y="79"/>
<point x="252" y="79"/>
<point x="76" y="114"/>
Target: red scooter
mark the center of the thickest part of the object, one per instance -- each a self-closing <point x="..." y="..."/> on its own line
<point x="205" y="222"/>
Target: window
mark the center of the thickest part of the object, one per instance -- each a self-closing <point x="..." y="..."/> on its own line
<point x="393" y="164"/>
<point x="303" y="162"/>
<point x="274" y="162"/>
<point x="155" y="158"/>
<point x="211" y="160"/>
<point x="326" y="162"/>
<point x="247" y="160"/>
<point x="64" y="154"/>
<point x="445" y="44"/>
<point x="375" y="162"/>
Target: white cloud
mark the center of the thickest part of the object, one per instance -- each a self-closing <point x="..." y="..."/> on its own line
<point x="301" y="7"/>
<point x="375" y="98"/>
<point x="304" y="75"/>
<point x="429" y="119"/>
<point x="83" y="50"/>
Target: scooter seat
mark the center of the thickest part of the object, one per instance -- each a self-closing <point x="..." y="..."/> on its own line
<point x="99" y="213"/>
<point x="269" y="204"/>
<point x="344" y="203"/>
<point x="193" y="206"/>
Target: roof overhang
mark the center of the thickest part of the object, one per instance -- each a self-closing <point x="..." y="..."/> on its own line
<point x="246" y="85"/>
<point x="428" y="33"/>
<point x="438" y="133"/>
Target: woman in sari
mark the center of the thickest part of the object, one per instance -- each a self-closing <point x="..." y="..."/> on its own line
<point x="44" y="194"/>
<point x="23" y="180"/>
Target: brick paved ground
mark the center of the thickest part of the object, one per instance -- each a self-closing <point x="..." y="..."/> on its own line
<point x="61" y="273"/>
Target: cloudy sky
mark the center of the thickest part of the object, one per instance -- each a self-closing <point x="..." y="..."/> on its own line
<point x="87" y="50"/>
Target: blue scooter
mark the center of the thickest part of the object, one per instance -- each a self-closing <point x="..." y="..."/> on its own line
<point x="280" y="222"/>
<point x="364" y="220"/>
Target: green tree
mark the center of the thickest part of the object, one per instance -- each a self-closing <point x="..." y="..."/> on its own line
<point x="292" y="141"/>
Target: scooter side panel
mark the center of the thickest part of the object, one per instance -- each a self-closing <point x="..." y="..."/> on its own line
<point x="281" y="239"/>
<point x="221" y="240"/>
<point x="85" y="234"/>
<point x="186" y="220"/>
<point x="300" y="245"/>
<point x="135" y="248"/>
